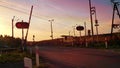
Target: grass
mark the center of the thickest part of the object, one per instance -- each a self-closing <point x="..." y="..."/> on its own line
<point x="16" y="56"/>
<point x="12" y="57"/>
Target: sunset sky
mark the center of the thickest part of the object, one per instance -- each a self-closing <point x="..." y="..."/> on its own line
<point x="66" y="14"/>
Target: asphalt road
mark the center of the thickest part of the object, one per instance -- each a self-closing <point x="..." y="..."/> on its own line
<point x="79" y="58"/>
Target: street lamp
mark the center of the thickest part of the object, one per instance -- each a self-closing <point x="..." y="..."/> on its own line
<point x="13" y="19"/>
<point x="13" y="26"/>
<point x="51" y="28"/>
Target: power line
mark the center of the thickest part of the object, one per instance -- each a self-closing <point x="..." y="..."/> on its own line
<point x="21" y="10"/>
<point x="39" y="17"/>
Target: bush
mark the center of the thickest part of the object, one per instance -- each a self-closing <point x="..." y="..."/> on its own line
<point x="12" y="57"/>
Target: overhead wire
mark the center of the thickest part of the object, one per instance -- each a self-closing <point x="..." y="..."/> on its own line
<point x="55" y="10"/>
<point x="22" y="10"/>
<point x="39" y="17"/>
<point x="60" y="31"/>
<point x="23" y="13"/>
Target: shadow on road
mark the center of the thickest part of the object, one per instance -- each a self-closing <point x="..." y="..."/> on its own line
<point x="57" y="64"/>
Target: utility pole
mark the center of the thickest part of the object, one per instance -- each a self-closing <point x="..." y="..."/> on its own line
<point x="115" y="8"/>
<point x="13" y="26"/>
<point x="51" y="28"/>
<point x="91" y="17"/>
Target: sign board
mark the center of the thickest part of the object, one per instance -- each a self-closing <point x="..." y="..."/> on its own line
<point x="23" y="25"/>
<point x="80" y="28"/>
<point x="27" y="62"/>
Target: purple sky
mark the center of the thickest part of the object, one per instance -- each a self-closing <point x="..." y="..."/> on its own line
<point x="66" y="14"/>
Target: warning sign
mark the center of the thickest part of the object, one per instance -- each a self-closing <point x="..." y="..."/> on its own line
<point x="27" y="62"/>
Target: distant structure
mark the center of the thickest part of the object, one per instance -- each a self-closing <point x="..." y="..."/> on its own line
<point x="74" y="34"/>
<point x="115" y="9"/>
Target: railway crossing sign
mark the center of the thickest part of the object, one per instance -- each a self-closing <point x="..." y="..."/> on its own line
<point x="22" y="25"/>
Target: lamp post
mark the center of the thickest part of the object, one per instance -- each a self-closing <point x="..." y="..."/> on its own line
<point x="13" y="26"/>
<point x="13" y="19"/>
<point x="74" y="34"/>
<point x="51" y="28"/>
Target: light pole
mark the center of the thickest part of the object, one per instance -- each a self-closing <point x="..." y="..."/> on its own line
<point x="13" y="26"/>
<point x="13" y="19"/>
<point x="69" y="34"/>
<point x="74" y="31"/>
<point x="51" y="28"/>
<point x="74" y="28"/>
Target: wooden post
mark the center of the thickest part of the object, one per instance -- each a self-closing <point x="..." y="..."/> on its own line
<point x="37" y="56"/>
<point x="106" y="43"/>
